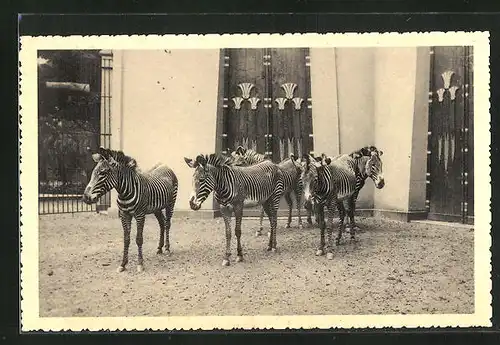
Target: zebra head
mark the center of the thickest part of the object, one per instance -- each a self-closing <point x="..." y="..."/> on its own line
<point x="373" y="168"/>
<point x="104" y="175"/>
<point x="309" y="166"/>
<point x="246" y="157"/>
<point x="203" y="181"/>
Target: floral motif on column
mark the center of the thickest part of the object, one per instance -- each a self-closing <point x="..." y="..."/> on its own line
<point x="281" y="103"/>
<point x="297" y="102"/>
<point x="289" y="89"/>
<point x="245" y="89"/>
<point x="237" y="102"/>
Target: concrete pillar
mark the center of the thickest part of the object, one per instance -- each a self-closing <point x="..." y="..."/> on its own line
<point x="401" y="83"/>
<point x="325" y="101"/>
<point x="355" y="80"/>
<point x="418" y="168"/>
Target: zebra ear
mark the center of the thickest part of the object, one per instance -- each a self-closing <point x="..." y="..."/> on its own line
<point x="328" y="160"/>
<point x="97" y="157"/>
<point x="380" y="152"/>
<point x="240" y="150"/>
<point x="306" y="158"/>
<point x="201" y="160"/>
<point x="132" y="163"/>
<point x="357" y="155"/>
<point x="190" y="162"/>
<point x="103" y="152"/>
<point x="112" y="161"/>
<point x="295" y="161"/>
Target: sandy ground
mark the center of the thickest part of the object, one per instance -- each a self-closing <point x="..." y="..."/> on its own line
<point x="395" y="267"/>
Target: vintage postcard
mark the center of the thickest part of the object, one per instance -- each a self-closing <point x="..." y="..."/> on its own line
<point x="187" y="182"/>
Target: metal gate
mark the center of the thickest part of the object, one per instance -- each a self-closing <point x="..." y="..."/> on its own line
<point x="73" y="121"/>
<point x="450" y="170"/>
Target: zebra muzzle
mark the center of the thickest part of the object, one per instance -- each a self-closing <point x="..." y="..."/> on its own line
<point x="380" y="184"/>
<point x="194" y="205"/>
<point x="88" y="199"/>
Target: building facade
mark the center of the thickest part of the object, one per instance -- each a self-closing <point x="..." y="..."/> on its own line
<point x="413" y="103"/>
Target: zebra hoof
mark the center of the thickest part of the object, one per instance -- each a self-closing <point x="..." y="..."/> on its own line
<point x="159" y="251"/>
<point x="287" y="226"/>
<point x="140" y="268"/>
<point x="300" y="226"/>
<point x="239" y="258"/>
<point x="167" y="252"/>
<point x="329" y="256"/>
<point x="120" y="269"/>
<point x="225" y="262"/>
<point x="319" y="252"/>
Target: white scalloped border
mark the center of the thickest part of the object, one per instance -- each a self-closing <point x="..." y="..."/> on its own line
<point x="30" y="320"/>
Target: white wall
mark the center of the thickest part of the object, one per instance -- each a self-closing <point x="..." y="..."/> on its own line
<point x="324" y="101"/>
<point x="164" y="108"/>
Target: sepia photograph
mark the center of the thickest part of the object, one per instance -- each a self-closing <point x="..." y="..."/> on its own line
<point x="255" y="181"/>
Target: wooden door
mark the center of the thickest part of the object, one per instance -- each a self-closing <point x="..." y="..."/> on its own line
<point x="450" y="149"/>
<point x="267" y="101"/>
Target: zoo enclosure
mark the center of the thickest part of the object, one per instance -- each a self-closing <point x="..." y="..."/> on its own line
<point x="74" y="93"/>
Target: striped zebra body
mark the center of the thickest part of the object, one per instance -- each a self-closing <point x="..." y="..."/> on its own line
<point x="360" y="159"/>
<point x="236" y="187"/>
<point x="291" y="177"/>
<point x="328" y="185"/>
<point x="330" y="182"/>
<point x="139" y="194"/>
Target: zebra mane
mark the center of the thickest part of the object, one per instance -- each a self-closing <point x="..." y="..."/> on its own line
<point x="248" y="152"/>
<point x="120" y="157"/>
<point x="364" y="151"/>
<point x="215" y="159"/>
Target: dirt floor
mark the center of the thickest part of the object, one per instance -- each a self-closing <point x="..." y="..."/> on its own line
<point x="395" y="267"/>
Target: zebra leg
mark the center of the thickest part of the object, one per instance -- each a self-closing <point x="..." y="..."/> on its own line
<point x="352" y="207"/>
<point x="168" y="222"/>
<point x="329" y="243"/>
<point x="289" y="202"/>
<point x="259" y="232"/>
<point x="139" y="240"/>
<point x="309" y="208"/>
<point x="161" y="222"/>
<point x="298" y="199"/>
<point x="320" y="217"/>
<point x="226" y="214"/>
<point x="238" y="215"/>
<point x="271" y="208"/>
<point x="341" y="209"/>
<point x="126" y="220"/>
<point x="347" y="223"/>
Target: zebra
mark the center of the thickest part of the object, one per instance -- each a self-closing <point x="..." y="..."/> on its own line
<point x="291" y="175"/>
<point x="139" y="194"/>
<point x="362" y="157"/>
<point x="330" y="182"/>
<point x="236" y="187"/>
